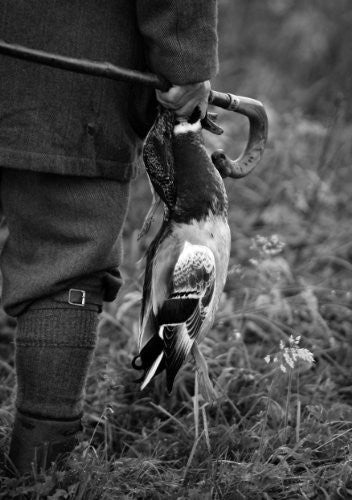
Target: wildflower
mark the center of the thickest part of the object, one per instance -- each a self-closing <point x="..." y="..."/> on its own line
<point x="289" y="356"/>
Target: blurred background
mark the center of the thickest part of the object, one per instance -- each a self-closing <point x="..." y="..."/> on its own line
<point x="291" y="53"/>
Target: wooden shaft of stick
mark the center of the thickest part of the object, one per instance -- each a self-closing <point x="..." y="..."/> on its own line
<point x="96" y="68"/>
<point x="86" y="66"/>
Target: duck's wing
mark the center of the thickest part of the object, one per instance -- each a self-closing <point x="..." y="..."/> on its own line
<point x="181" y="315"/>
<point x="148" y="327"/>
<point x="161" y="257"/>
<point x="184" y="315"/>
<point x="157" y="204"/>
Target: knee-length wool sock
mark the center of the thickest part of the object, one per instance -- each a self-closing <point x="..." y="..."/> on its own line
<point x="54" y="348"/>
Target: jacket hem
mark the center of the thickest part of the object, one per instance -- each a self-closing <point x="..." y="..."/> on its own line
<point x="66" y="165"/>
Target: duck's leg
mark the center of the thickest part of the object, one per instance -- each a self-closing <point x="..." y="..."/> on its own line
<point x="206" y="388"/>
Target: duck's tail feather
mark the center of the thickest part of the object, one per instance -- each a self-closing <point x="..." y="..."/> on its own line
<point x="152" y="371"/>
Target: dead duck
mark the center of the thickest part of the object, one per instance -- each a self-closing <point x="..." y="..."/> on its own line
<point x="187" y="261"/>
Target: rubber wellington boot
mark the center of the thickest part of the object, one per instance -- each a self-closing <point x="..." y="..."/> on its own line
<point x="37" y="442"/>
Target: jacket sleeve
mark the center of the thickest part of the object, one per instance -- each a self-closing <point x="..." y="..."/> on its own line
<point x="180" y="37"/>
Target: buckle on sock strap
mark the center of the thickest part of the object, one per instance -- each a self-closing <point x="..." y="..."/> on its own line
<point x="77" y="297"/>
<point x="74" y="297"/>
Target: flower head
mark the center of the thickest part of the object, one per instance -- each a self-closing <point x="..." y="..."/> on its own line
<point x="291" y="356"/>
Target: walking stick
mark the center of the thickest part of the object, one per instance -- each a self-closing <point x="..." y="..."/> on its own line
<point x="251" y="108"/>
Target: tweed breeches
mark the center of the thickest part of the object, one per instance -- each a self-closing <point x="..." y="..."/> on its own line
<point x="61" y="231"/>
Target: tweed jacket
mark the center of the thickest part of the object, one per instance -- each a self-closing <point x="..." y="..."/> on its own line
<point x="65" y="123"/>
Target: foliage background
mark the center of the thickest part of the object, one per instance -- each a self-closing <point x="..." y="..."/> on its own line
<point x="273" y="434"/>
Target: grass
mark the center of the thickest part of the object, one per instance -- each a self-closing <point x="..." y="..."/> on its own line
<point x="274" y="433"/>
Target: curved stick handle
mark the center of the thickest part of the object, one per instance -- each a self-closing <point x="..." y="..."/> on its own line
<point x="258" y="134"/>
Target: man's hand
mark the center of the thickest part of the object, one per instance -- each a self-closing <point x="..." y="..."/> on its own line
<point x="183" y="99"/>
